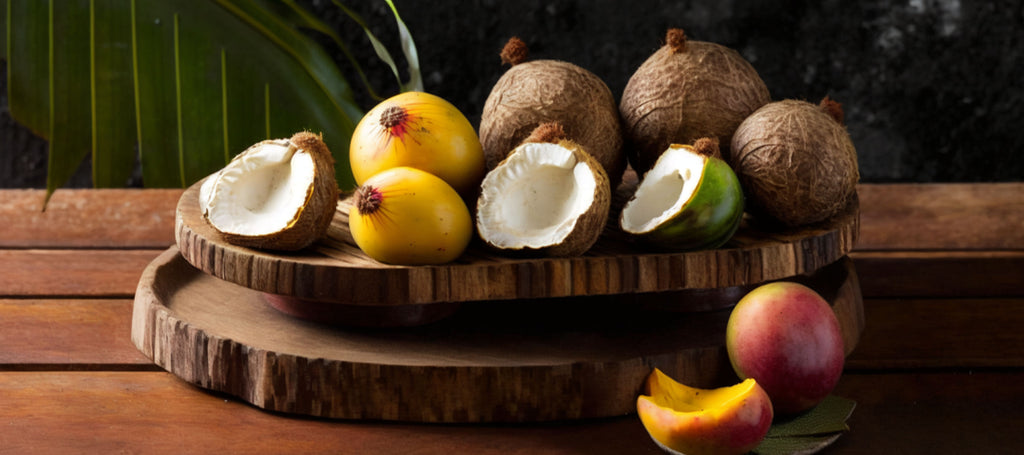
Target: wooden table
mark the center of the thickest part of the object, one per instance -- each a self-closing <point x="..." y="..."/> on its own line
<point x="939" y="369"/>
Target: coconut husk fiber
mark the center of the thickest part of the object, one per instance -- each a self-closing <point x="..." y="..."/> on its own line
<point x="540" y="91"/>
<point x="314" y="218"/>
<point x="684" y="91"/>
<point x="795" y="161"/>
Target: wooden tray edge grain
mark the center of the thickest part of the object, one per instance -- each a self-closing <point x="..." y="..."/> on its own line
<point x="223" y="337"/>
<point x="335" y="270"/>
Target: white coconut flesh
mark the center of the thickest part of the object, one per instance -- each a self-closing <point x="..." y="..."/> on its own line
<point x="664" y="190"/>
<point x="261" y="192"/>
<point x="535" y="197"/>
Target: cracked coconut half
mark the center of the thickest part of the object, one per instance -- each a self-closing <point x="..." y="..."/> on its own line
<point x="548" y="196"/>
<point x="278" y="194"/>
<point x="689" y="200"/>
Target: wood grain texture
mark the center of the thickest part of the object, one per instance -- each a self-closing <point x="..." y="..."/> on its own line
<point x="334" y="269"/>
<point x="937" y="370"/>
<point x="108" y="218"/>
<point x="936" y="216"/>
<point x="946" y="274"/>
<point x="941" y="273"/>
<point x="80" y="273"/>
<point x="941" y="333"/>
<point x="156" y="413"/>
<point x="942" y="216"/>
<point x="519" y="361"/>
<point x="61" y="334"/>
<point x="67" y="335"/>
<point x="935" y="413"/>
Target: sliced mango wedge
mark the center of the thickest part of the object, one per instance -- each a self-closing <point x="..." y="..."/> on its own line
<point x="694" y="421"/>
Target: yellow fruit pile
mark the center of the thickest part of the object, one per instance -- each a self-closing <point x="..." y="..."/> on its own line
<point x="416" y="159"/>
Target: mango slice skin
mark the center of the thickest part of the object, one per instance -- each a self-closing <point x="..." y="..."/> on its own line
<point x="729" y="420"/>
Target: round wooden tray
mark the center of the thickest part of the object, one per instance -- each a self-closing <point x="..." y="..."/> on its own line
<point x="508" y="361"/>
<point x="334" y="270"/>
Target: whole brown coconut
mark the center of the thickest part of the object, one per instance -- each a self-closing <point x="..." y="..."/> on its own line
<point x="541" y="91"/>
<point x="687" y="90"/>
<point x="795" y="161"/>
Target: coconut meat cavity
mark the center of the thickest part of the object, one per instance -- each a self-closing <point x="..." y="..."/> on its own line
<point x="664" y="190"/>
<point x="534" y="199"/>
<point x="262" y="191"/>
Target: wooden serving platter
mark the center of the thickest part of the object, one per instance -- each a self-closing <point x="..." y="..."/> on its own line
<point x="507" y="361"/>
<point x="334" y="270"/>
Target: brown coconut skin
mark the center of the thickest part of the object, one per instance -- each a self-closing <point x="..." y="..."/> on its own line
<point x="541" y="91"/>
<point x="316" y="217"/>
<point x="796" y="163"/>
<point x="590" y="224"/>
<point x="681" y="95"/>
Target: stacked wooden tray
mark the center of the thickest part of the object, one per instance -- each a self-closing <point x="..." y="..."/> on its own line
<point x="329" y="332"/>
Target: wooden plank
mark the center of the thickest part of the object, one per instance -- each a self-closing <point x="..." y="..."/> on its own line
<point x="121" y="218"/>
<point x="882" y="274"/>
<point x="941" y="333"/>
<point x="941" y="216"/>
<point x="934" y="413"/>
<point x="79" y="273"/>
<point x="893" y="326"/>
<point x="93" y="334"/>
<point x="155" y="413"/>
<point x="940" y="273"/>
<point x="893" y="217"/>
<point x="68" y="334"/>
<point x="975" y="333"/>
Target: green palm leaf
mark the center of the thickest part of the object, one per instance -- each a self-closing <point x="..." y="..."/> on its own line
<point x="28" y="64"/>
<point x="415" y="81"/>
<point x="190" y="83"/>
<point x="69" y="64"/>
<point x="239" y="76"/>
<point x="109" y="25"/>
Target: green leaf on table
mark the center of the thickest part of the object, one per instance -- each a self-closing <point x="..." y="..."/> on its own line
<point x="811" y="431"/>
<point x="829" y="416"/>
<point x="795" y="445"/>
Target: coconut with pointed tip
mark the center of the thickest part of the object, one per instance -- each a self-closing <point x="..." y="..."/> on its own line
<point x="277" y="194"/>
<point x="687" y="90"/>
<point x="796" y="161"/>
<point x="540" y="91"/>
<point x="689" y="200"/>
<point x="549" y="197"/>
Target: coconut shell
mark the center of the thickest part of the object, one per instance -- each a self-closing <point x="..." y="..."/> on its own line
<point x="312" y="223"/>
<point x="589" y="225"/>
<point x="684" y="91"/>
<point x="795" y="161"/>
<point x="541" y="91"/>
<point x="709" y="216"/>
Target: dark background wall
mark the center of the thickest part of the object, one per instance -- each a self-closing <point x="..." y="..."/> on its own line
<point x="932" y="89"/>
